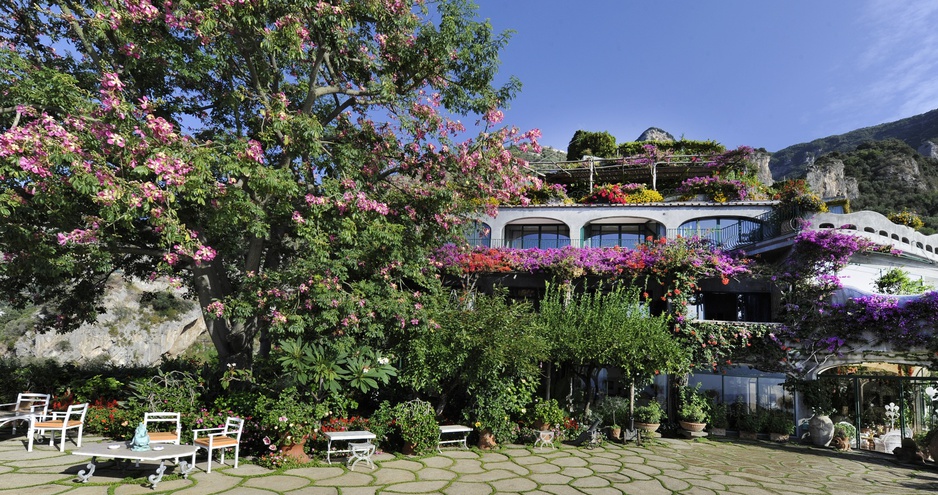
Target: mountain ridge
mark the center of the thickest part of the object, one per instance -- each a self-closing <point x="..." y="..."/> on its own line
<point x="919" y="132"/>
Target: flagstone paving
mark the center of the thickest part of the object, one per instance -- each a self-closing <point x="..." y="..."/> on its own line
<point x="662" y="466"/>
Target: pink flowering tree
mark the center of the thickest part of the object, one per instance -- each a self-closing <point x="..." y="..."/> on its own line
<point x="290" y="163"/>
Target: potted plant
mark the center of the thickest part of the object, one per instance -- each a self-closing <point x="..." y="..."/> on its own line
<point x="780" y="425"/>
<point x="750" y="424"/>
<point x="693" y="411"/>
<point x="648" y="416"/>
<point x="492" y="414"/>
<point x="820" y="426"/>
<point x="411" y="424"/>
<point x="287" y="422"/>
<point x="719" y="419"/>
<point x="545" y="415"/>
<point x="844" y="435"/>
<point x="613" y="409"/>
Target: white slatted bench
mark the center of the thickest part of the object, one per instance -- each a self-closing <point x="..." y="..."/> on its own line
<point x="453" y="430"/>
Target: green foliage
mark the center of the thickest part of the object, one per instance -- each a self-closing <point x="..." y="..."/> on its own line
<point x="601" y="144"/>
<point x="924" y="438"/>
<point x="897" y="281"/>
<point x="165" y="304"/>
<point x="176" y="391"/>
<point x="719" y="416"/>
<point x="907" y="218"/>
<point x="14" y="323"/>
<point x="795" y="193"/>
<point x="498" y="408"/>
<point x="882" y="169"/>
<point x="846" y="430"/>
<point x="100" y="388"/>
<point x="694" y="405"/>
<point x="816" y="394"/>
<point x="547" y="412"/>
<point x="610" y="328"/>
<point x="413" y="423"/>
<point x="331" y="370"/>
<point x="289" y="416"/>
<point x="651" y="412"/>
<point x="679" y="147"/>
<point x="778" y="421"/>
<point x="751" y="421"/>
<point x="283" y="206"/>
<point x="472" y="343"/>
<point x="614" y="411"/>
<point x="111" y="421"/>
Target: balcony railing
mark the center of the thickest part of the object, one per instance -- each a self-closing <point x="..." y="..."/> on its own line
<point x="770" y="225"/>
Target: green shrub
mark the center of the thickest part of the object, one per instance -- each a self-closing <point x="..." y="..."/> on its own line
<point x="413" y="422"/>
<point x="694" y="406"/>
<point x="165" y="304"/>
<point x="845" y="430"/>
<point x="778" y="421"/>
<point x="614" y="411"/>
<point x="546" y="411"/>
<point x="719" y="416"/>
<point x="649" y="413"/>
<point x="750" y="421"/>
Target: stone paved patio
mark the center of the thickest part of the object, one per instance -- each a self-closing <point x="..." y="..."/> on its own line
<point x="659" y="467"/>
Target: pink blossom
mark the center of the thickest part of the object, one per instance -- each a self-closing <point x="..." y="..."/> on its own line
<point x="216" y="308"/>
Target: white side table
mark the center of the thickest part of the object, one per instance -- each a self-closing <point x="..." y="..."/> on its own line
<point x="361" y="451"/>
<point x="545" y="438"/>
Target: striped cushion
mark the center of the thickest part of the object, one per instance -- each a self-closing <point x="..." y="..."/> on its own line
<point x="219" y="442"/>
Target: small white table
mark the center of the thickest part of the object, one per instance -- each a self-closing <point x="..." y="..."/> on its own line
<point x="349" y="436"/>
<point x="453" y="430"/>
<point x="123" y="452"/>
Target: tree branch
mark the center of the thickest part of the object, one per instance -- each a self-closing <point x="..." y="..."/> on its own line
<point x="73" y="21"/>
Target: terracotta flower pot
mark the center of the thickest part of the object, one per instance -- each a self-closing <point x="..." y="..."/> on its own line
<point x="779" y="437"/>
<point x="486" y="439"/>
<point x="296" y="451"/>
<point x="687" y="425"/>
<point x="647" y="427"/>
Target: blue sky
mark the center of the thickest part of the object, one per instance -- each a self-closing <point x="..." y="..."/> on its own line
<point x="765" y="74"/>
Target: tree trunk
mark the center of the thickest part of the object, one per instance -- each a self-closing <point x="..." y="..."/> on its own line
<point x="547" y="379"/>
<point x="234" y="341"/>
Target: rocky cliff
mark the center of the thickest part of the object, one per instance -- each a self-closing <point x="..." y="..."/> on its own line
<point x="142" y="323"/>
<point x="827" y="179"/>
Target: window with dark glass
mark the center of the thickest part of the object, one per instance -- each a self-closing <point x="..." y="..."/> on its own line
<point x="538" y="236"/>
<point x="733" y="306"/>
<point x="479" y="234"/>
<point x="623" y="235"/>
